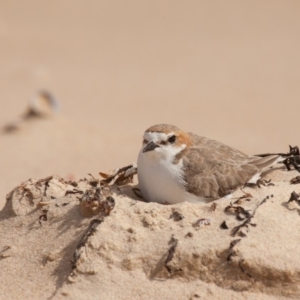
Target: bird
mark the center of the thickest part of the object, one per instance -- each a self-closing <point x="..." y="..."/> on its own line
<point x="174" y="166"/>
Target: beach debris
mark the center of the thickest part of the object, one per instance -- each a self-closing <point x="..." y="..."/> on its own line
<point x="43" y="216"/>
<point x="74" y="191"/>
<point x="173" y="245"/>
<point x="232" y="252"/>
<point x="202" y="222"/>
<point x="223" y="225"/>
<point x="237" y="229"/>
<point x="41" y="105"/>
<point x="72" y="182"/>
<point x="93" y="181"/>
<point x="176" y="216"/>
<point x="245" y="197"/>
<point x="36" y="193"/>
<point x="295" y="180"/>
<point x="242" y="268"/>
<point x="45" y="181"/>
<point x="238" y="211"/>
<point x="293" y="159"/>
<point x="120" y="176"/>
<point x="82" y="242"/>
<point x="94" y="201"/>
<point x="5" y="253"/>
<point x="189" y="234"/>
<point x="294" y="197"/>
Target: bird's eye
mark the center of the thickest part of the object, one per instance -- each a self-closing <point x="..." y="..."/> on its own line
<point x="145" y="141"/>
<point x="172" y="139"/>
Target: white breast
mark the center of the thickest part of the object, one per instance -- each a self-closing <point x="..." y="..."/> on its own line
<point x="161" y="180"/>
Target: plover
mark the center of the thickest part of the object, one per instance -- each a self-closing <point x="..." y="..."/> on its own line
<point x="176" y="166"/>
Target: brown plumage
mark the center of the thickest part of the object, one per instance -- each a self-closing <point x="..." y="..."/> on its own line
<point x="220" y="169"/>
<point x="209" y="169"/>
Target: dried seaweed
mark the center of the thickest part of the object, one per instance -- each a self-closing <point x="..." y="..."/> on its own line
<point x="236" y="230"/>
<point x="294" y="197"/>
<point x="72" y="182"/>
<point x="46" y="182"/>
<point x="75" y="191"/>
<point x="94" y="201"/>
<point x="120" y="176"/>
<point x="293" y="151"/>
<point x="232" y="252"/>
<point x="245" y="197"/>
<point x="238" y="211"/>
<point x="223" y="225"/>
<point x="292" y="158"/>
<point x="3" y="254"/>
<point x="295" y="180"/>
<point x="243" y="269"/>
<point x="173" y="244"/>
<point x="90" y="231"/>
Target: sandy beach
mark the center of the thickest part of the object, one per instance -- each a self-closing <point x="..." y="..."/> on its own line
<point x="58" y="242"/>
<point x="225" y="70"/>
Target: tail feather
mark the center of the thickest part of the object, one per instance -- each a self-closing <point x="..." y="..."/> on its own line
<point x="267" y="162"/>
<point x="264" y="164"/>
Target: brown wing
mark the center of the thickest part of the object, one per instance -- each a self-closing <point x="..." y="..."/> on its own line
<point x="214" y="170"/>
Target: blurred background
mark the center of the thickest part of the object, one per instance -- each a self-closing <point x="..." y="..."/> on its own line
<point x="228" y="70"/>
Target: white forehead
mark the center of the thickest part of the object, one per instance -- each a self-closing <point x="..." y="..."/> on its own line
<point x="156" y="136"/>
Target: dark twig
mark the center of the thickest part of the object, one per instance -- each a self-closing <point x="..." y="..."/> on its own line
<point x="243" y="269"/>
<point x="293" y="151"/>
<point x="75" y="191"/>
<point x="173" y="243"/>
<point x="90" y="231"/>
<point x="121" y="176"/>
<point x="247" y="222"/>
<point x="232" y="252"/>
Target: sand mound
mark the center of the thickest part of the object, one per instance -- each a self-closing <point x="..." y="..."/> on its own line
<point x="79" y="240"/>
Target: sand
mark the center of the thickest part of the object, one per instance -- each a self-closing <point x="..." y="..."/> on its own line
<point x="140" y="250"/>
<point x="225" y="70"/>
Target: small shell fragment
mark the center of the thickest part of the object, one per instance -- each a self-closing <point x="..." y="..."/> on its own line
<point x="202" y="222"/>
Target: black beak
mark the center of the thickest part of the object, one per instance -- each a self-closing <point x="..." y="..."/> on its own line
<point x="151" y="146"/>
